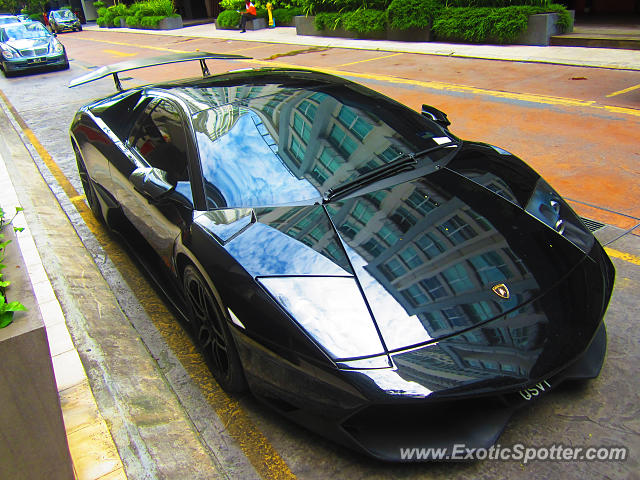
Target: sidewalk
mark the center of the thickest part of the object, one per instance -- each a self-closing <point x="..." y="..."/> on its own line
<point x="578" y="56"/>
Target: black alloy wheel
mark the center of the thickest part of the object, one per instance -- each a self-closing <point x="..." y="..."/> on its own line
<point x="212" y="335"/>
<point x="89" y="190"/>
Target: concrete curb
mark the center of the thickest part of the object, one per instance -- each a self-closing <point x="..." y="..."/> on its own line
<point x="93" y="452"/>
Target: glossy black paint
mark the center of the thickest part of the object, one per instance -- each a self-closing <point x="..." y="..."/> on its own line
<point x="369" y="316"/>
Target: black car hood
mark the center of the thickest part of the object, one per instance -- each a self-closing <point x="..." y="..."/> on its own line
<point x="403" y="266"/>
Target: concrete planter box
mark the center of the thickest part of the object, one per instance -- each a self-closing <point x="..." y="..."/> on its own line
<point x="256" y="24"/>
<point x="410" y="35"/>
<point x="33" y="443"/>
<point x="541" y="28"/>
<point x="169" y="23"/>
<point x="306" y="26"/>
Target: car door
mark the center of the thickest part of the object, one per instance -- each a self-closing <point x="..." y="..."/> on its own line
<point x="158" y="140"/>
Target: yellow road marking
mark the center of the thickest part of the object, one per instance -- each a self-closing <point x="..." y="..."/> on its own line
<point x="256" y="447"/>
<point x="451" y="87"/>
<point x="627" y="257"/>
<point x="370" y="59"/>
<point x="626" y="90"/>
<point x="77" y="198"/>
<point x="440" y="86"/>
<point x="148" y="47"/>
<point x="119" y="54"/>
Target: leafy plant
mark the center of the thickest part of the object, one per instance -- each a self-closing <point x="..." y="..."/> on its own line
<point x="488" y="25"/>
<point x="151" y="21"/>
<point x="164" y="8"/>
<point x="365" y="21"/>
<point x="285" y="15"/>
<point x="7" y="308"/>
<point x="232" y="5"/>
<point x="228" y="19"/>
<point x="328" y="21"/>
<point x="496" y="3"/>
<point x="98" y="4"/>
<point x="405" y="14"/>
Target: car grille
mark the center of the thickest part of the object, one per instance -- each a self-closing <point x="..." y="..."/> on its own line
<point x="34" y="52"/>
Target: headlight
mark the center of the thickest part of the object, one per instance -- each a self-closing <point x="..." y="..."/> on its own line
<point x="547" y="206"/>
<point x="8" y="53"/>
<point x="58" y="48"/>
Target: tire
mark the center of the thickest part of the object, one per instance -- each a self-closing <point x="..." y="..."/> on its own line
<point x="211" y="333"/>
<point x="89" y="190"/>
<point x="80" y="28"/>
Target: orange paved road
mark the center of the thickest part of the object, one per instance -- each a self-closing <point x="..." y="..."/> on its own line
<point x="589" y="153"/>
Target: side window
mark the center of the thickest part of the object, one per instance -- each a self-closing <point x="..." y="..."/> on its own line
<point x="160" y="138"/>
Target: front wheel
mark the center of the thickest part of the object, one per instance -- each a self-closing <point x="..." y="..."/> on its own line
<point x="89" y="189"/>
<point x="211" y="333"/>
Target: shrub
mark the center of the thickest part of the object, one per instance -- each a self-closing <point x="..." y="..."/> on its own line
<point x="496" y="3"/>
<point x="132" y="21"/>
<point x="365" y="21"/>
<point x="313" y="7"/>
<point x="232" y="5"/>
<point x="102" y="11"/>
<point x="328" y="21"/>
<point x="98" y="4"/>
<point x="164" y="8"/>
<point x="120" y="9"/>
<point x="228" y="19"/>
<point x="502" y="25"/>
<point x="404" y="14"/>
<point x="151" y="21"/>
<point x="116" y="20"/>
<point x="285" y="15"/>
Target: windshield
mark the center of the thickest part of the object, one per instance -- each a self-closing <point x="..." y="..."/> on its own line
<point x="4" y="20"/>
<point x="63" y="15"/>
<point x="24" y="31"/>
<point x="291" y="146"/>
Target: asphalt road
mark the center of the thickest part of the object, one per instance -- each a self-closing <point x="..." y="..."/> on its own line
<point x="572" y="124"/>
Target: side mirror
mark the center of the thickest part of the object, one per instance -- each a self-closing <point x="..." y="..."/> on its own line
<point x="436" y="115"/>
<point x="151" y="182"/>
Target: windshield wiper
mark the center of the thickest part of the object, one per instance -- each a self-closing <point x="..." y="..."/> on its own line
<point x="403" y="162"/>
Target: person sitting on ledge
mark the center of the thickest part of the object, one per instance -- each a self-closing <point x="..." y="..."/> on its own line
<point x="250" y="14"/>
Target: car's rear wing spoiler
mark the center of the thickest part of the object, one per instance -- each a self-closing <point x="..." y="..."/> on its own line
<point x="127" y="65"/>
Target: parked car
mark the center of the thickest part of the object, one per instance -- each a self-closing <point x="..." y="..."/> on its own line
<point x="6" y="19"/>
<point x="350" y="261"/>
<point x="29" y="46"/>
<point x="64" y="20"/>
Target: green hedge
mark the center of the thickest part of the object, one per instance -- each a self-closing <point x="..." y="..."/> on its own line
<point x="285" y="15"/>
<point x="365" y="21"/>
<point x="405" y="14"/>
<point x="328" y="21"/>
<point x="490" y="25"/>
<point x="135" y="14"/>
<point x="228" y="19"/>
<point x="497" y="3"/>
